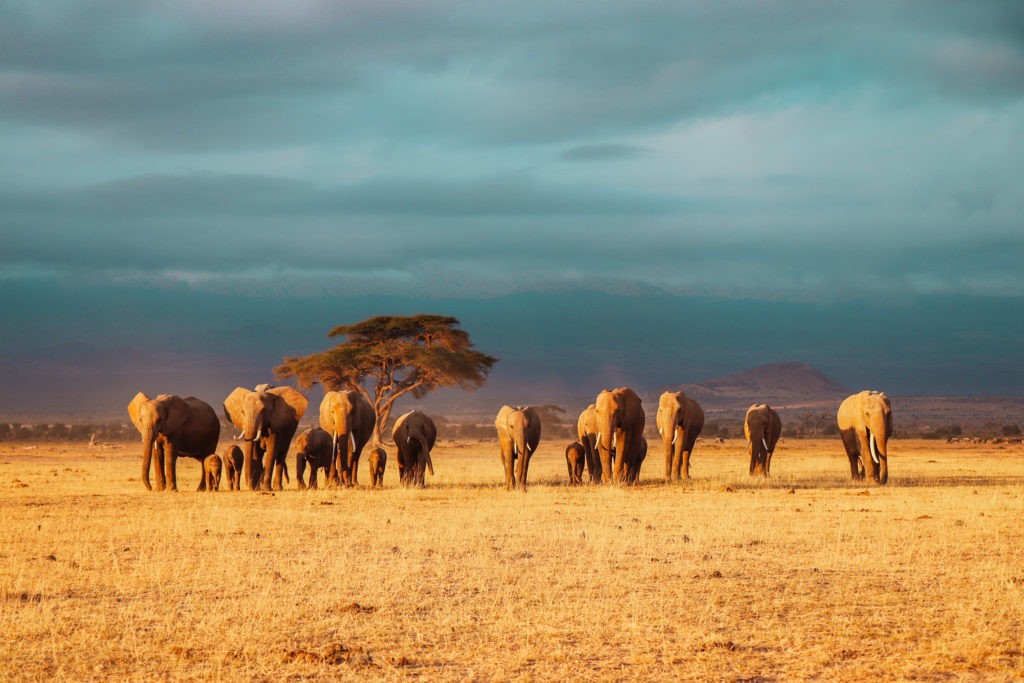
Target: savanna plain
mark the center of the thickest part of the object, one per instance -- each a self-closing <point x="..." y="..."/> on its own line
<point x="804" y="576"/>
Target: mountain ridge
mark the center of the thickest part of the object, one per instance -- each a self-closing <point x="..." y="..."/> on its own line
<point x="780" y="381"/>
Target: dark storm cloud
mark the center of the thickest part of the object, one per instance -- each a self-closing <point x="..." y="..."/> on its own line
<point x="804" y="153"/>
<point x="255" y="74"/>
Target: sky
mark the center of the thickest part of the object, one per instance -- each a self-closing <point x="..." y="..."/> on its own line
<point x="638" y="192"/>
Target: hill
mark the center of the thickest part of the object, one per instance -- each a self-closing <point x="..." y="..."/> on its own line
<point x="783" y="384"/>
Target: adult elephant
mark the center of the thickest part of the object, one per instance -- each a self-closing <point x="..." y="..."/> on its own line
<point x="414" y="434"/>
<point x="267" y="417"/>
<point x="680" y="420"/>
<point x="349" y="418"/>
<point x="620" y="425"/>
<point x="865" y="425"/>
<point x="586" y="432"/>
<point x="518" y="434"/>
<point x="762" y="427"/>
<point x="174" y="427"/>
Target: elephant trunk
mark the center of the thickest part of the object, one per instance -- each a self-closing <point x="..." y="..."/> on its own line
<point x="519" y="440"/>
<point x="248" y="453"/>
<point x="344" y="453"/>
<point x="147" y="456"/>
<point x="878" y="445"/>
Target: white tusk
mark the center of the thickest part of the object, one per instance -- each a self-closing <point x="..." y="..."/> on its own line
<point x="598" y="442"/>
<point x="408" y="439"/>
<point x="765" y="443"/>
<point x="259" y="433"/>
<point x="352" y="441"/>
<point x="874" y="453"/>
<point x="615" y="438"/>
<point x="661" y="431"/>
<point x="240" y="435"/>
<point x="515" y="449"/>
<point x="675" y="435"/>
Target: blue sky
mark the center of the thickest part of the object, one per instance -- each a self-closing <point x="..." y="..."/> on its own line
<point x="813" y="155"/>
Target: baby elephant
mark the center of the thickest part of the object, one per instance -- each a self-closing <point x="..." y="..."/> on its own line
<point x="378" y="461"/>
<point x="232" y="456"/>
<point x="313" y="447"/>
<point x="211" y="473"/>
<point x="575" y="457"/>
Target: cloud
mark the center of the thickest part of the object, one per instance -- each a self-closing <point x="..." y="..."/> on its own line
<point x="796" y="150"/>
<point x="608" y="151"/>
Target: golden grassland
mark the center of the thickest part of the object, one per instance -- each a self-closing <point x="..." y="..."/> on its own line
<point x="805" y="576"/>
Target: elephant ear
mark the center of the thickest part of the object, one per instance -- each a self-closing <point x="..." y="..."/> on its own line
<point x="233" y="406"/>
<point x="134" y="408"/>
<point x="177" y="413"/>
<point x="292" y="398"/>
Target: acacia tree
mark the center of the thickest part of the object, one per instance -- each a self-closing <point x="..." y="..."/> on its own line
<point x="389" y="356"/>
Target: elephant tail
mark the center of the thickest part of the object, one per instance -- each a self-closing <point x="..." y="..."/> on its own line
<point x="425" y="454"/>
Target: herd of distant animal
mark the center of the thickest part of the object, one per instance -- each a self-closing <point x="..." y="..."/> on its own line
<point x="611" y="445"/>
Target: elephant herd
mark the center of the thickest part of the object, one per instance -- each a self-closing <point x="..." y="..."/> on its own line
<point x="267" y="419"/>
<point x="611" y="444"/>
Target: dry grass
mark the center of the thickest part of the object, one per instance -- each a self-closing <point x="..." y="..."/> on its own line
<point x="806" y="576"/>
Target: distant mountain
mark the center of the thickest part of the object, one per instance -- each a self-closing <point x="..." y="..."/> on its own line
<point x="786" y="383"/>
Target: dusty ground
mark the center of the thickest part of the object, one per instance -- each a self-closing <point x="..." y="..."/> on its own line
<point x="807" y="576"/>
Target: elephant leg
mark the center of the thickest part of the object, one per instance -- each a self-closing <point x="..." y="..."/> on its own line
<point x="870" y="469"/>
<point x="768" y="464"/>
<point x="508" y="463"/>
<point x="521" y="466"/>
<point x="160" y="456"/>
<point x="312" y="477"/>
<point x="685" y="467"/>
<point x="606" y="460"/>
<point x="355" y="469"/>
<point x="300" y="471"/>
<point x="204" y="479"/>
<point x="593" y="463"/>
<point x="171" y="467"/>
<point x="268" y="467"/>
<point x="852" y="452"/>
<point x="669" y="465"/>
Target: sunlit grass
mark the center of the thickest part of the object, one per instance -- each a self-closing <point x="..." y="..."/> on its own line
<point x="807" y="575"/>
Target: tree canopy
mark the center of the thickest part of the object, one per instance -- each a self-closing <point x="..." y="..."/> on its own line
<point x="388" y="356"/>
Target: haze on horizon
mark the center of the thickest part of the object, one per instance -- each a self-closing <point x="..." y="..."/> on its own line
<point x="647" y="192"/>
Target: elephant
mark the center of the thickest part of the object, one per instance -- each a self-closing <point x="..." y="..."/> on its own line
<point x="620" y="425"/>
<point x="349" y="418"/>
<point x="586" y="431"/>
<point x="762" y="427"/>
<point x="518" y="434"/>
<point x="267" y="417"/>
<point x="212" y="466"/>
<point x="378" y="461"/>
<point x="575" y="458"/>
<point x="680" y="420"/>
<point x="313" y="447"/>
<point x="631" y="467"/>
<point x="232" y="457"/>
<point x="865" y="425"/>
<point x="174" y="427"/>
<point x="414" y="434"/>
